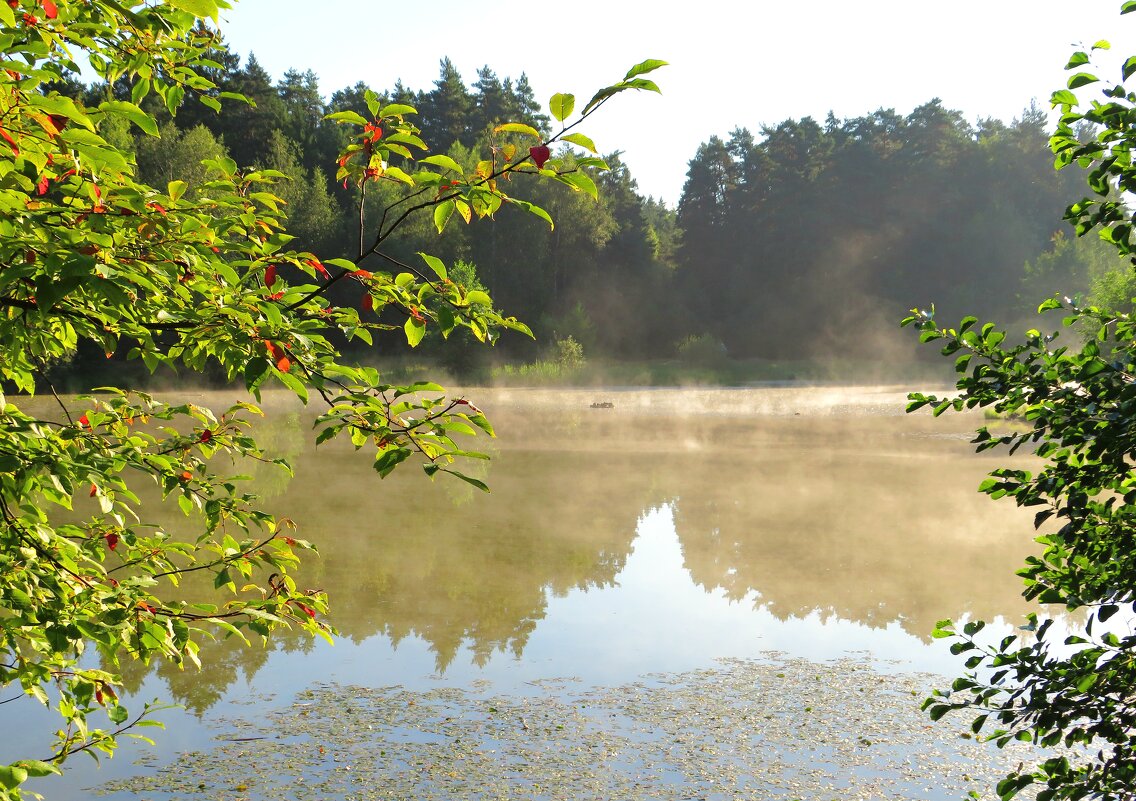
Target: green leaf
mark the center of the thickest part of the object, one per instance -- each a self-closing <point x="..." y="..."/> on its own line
<point x="581" y="140"/>
<point x="12" y="776"/>
<point x="1129" y="67"/>
<point x="37" y="769"/>
<point x="518" y="127"/>
<point x="176" y="189"/>
<point x="132" y="113"/>
<point x="580" y="182"/>
<point x="117" y="714"/>
<point x="7" y="16"/>
<point x="255" y="369"/>
<point x="1077" y="59"/>
<point x="389" y="459"/>
<point x="481" y="485"/>
<point x="444" y="162"/>
<point x="295" y="384"/>
<point x="937" y="712"/>
<point x="199" y="8"/>
<point x="1081" y="79"/>
<point x="442" y="213"/>
<point x="643" y="67"/>
<point x="140" y="90"/>
<point x="414" y="331"/>
<point x="1086" y="682"/>
<point x="1128" y="7"/>
<point x="1063" y="97"/>
<point x="602" y="95"/>
<point x="476" y="297"/>
<point x="435" y="264"/>
<point x="561" y="105"/>
<point x="398" y="175"/>
<point x="352" y="117"/>
<point x="396" y="110"/>
<point x="532" y="208"/>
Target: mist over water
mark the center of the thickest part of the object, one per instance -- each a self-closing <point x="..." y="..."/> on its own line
<point x="668" y="530"/>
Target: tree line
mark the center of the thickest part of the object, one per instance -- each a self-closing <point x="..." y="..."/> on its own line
<point x="781" y="244"/>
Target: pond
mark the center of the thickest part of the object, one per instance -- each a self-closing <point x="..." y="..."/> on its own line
<point x="667" y="594"/>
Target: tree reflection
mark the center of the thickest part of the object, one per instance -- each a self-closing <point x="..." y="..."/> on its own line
<point x="866" y="519"/>
<point x="854" y="529"/>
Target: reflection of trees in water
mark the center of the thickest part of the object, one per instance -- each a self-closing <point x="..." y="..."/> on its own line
<point x="477" y="574"/>
<point x="406" y="557"/>
<point x="225" y="661"/>
<point x="845" y="517"/>
<point x="867" y="535"/>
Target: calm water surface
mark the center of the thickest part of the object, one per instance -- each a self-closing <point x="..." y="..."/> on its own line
<point x="669" y="531"/>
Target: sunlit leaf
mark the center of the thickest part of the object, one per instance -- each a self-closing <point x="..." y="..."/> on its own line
<point x="649" y="65"/>
<point x="518" y="127"/>
<point x="581" y="140"/>
<point x="561" y="105"/>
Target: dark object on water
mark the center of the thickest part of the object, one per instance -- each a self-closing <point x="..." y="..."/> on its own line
<point x="603" y="405"/>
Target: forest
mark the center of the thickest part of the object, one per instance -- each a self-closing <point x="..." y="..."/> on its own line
<point x="783" y="242"/>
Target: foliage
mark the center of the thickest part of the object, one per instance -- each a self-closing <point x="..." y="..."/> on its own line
<point x="894" y="190"/>
<point x="569" y="353"/>
<point x="196" y="277"/>
<point x="923" y="205"/>
<point x="702" y="349"/>
<point x="1078" y="401"/>
<point x="1073" y="267"/>
<point x="565" y="363"/>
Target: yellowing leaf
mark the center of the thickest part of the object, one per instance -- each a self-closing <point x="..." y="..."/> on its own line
<point x="518" y="127"/>
<point x="561" y="106"/>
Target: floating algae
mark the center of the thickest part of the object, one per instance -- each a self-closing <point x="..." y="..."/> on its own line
<point x="778" y="729"/>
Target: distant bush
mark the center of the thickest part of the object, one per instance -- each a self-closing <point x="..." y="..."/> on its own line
<point x="566" y="362"/>
<point x="569" y="354"/>
<point x="703" y="350"/>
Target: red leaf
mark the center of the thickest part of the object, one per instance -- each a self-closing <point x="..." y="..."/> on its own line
<point x="42" y="186"/>
<point x="94" y="491"/>
<point x="111" y="540"/>
<point x="540" y="154"/>
<point x="49" y="9"/>
<point x="318" y="267"/>
<point x="270" y="275"/>
<point x="11" y="142"/>
<point x="272" y="350"/>
<point x="284" y="365"/>
<point x="368" y="303"/>
<point x="84" y="421"/>
<point x="185" y="475"/>
<point x="206" y="435"/>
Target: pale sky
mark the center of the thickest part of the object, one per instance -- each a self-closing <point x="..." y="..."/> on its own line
<point x="732" y="64"/>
